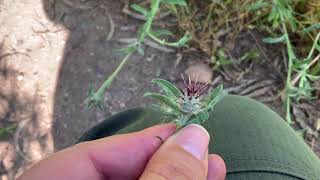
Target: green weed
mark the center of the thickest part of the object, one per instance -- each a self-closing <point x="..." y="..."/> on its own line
<point x="300" y="86"/>
<point x="5" y="131"/>
<point x="95" y="98"/>
<point x="209" y="20"/>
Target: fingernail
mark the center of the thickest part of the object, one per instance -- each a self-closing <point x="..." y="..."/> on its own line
<point x="194" y="139"/>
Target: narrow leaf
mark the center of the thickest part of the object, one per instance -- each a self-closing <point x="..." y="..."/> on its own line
<point x="7" y="130"/>
<point x="312" y="28"/>
<point x="139" y="9"/>
<point x="216" y="92"/>
<point x="183" y="41"/>
<point x="257" y="6"/>
<point x="216" y="95"/>
<point x="175" y="2"/>
<point x="318" y="47"/>
<point x="199" y="118"/>
<point x="274" y="40"/>
<point x="162" y="32"/>
<point x="163" y="100"/>
<point x="164" y="110"/>
<point x="168" y="87"/>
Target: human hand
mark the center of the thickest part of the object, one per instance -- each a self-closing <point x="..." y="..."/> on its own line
<point x="141" y="154"/>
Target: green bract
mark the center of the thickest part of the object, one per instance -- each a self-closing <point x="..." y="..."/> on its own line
<point x="188" y="107"/>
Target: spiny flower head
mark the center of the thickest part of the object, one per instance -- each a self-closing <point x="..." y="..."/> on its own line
<point x="186" y="106"/>
<point x="190" y="100"/>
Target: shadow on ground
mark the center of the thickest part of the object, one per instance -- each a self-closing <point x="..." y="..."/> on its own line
<point x="19" y="110"/>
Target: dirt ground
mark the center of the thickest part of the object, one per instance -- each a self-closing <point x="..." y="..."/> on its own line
<point x="51" y="51"/>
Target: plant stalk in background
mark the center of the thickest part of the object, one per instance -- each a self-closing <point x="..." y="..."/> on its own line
<point x="282" y="14"/>
<point x="95" y="98"/>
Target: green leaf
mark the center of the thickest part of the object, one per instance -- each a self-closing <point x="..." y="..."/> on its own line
<point x="175" y="2"/>
<point x="218" y="90"/>
<point x="257" y="6"/>
<point x="140" y="50"/>
<point x="164" y="110"/>
<point x="126" y="50"/>
<point x="164" y="100"/>
<point x="140" y="9"/>
<point x="183" y="41"/>
<point x="274" y="15"/>
<point x="168" y="87"/>
<point x="275" y="40"/>
<point x="312" y="28"/>
<point x="312" y="77"/>
<point x="161" y="33"/>
<point x="215" y="96"/>
<point x="199" y="118"/>
<point x="91" y="90"/>
<point x="5" y="131"/>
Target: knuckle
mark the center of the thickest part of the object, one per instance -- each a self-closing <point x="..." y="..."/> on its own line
<point x="176" y="165"/>
<point x="172" y="170"/>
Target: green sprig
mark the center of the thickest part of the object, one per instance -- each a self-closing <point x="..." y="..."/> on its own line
<point x="95" y="98"/>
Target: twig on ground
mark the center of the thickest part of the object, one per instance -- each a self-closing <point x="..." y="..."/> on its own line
<point x="134" y="15"/>
<point x="76" y="5"/>
<point x="17" y="136"/>
<point x="260" y="84"/>
<point x="259" y="92"/>
<point x="216" y="81"/>
<point x="112" y="28"/>
<point x="13" y="53"/>
<point x="300" y="119"/>
<point x="148" y="43"/>
<point x="178" y="60"/>
<point x="244" y="83"/>
<point x="268" y="99"/>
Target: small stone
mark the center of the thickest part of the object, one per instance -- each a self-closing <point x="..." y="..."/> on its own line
<point x="122" y="105"/>
<point x="202" y="71"/>
<point x="317" y="124"/>
<point x="7" y="155"/>
<point x="150" y="58"/>
<point x="4" y="108"/>
<point x="4" y="177"/>
<point x="20" y="78"/>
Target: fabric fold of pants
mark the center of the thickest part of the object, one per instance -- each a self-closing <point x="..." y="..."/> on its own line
<point x="252" y="139"/>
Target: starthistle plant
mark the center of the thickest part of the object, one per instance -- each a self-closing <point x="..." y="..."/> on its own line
<point x="189" y="106"/>
<point x="95" y="97"/>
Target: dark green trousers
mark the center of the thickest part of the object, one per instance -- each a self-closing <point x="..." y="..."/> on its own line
<point x="252" y="139"/>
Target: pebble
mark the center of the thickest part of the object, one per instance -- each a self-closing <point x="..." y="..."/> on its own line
<point x="202" y="71"/>
<point x="317" y="124"/>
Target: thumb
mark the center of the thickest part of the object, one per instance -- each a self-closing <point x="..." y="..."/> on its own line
<point x="183" y="156"/>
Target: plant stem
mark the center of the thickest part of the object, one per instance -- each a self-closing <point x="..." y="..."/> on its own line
<point x="291" y="57"/>
<point x="110" y="79"/>
<point x="154" y="9"/>
<point x="314" y="46"/>
<point x="163" y="42"/>
<point x="147" y="26"/>
<point x="96" y="98"/>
